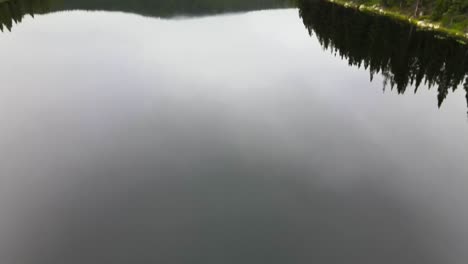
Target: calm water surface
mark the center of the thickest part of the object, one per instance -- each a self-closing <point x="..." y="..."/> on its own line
<point x="233" y="138"/>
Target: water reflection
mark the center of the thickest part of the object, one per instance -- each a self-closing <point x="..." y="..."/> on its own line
<point x="215" y="206"/>
<point x="168" y="8"/>
<point x="224" y="139"/>
<point x="405" y="56"/>
<point x="12" y="11"/>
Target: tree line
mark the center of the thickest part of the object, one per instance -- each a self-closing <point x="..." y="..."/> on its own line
<point x="13" y="11"/>
<point x="450" y="13"/>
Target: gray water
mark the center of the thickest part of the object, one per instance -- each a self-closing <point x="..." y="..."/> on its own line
<point x="221" y="139"/>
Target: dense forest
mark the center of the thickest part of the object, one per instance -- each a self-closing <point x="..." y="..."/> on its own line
<point x="452" y="14"/>
<point x="405" y="56"/>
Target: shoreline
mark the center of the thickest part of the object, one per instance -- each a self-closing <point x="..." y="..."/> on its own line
<point x="419" y="23"/>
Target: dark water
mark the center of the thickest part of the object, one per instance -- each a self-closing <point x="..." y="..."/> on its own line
<point x="229" y="138"/>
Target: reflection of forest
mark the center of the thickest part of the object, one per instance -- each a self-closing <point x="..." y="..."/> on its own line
<point x="406" y="57"/>
<point x="164" y="8"/>
<point x="12" y="11"/>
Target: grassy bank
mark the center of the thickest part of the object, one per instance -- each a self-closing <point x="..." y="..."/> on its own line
<point x="456" y="26"/>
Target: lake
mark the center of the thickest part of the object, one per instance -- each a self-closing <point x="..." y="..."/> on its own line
<point x="229" y="132"/>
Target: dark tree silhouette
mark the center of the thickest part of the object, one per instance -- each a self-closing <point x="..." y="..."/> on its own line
<point x="405" y="56"/>
<point x="12" y="11"/>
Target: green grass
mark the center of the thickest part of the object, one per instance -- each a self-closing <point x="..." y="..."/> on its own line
<point x="452" y="26"/>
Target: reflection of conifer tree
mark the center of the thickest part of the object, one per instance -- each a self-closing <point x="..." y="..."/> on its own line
<point x="13" y="11"/>
<point x="403" y="55"/>
<point x="167" y="8"/>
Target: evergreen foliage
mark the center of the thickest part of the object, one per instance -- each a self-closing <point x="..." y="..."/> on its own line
<point x="405" y="56"/>
<point x="13" y="11"/>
